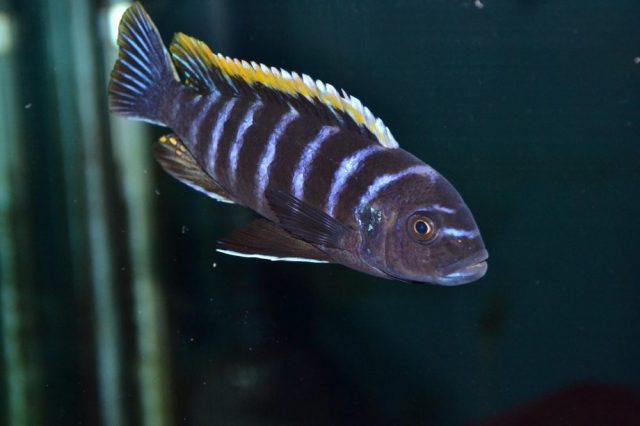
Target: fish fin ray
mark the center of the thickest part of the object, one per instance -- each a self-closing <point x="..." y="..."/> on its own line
<point x="209" y="72"/>
<point x="305" y="221"/>
<point x="176" y="160"/>
<point x="264" y="239"/>
<point x="143" y="68"/>
<point x="192" y="58"/>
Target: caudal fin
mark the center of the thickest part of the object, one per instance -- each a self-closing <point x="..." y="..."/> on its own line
<point x="143" y="71"/>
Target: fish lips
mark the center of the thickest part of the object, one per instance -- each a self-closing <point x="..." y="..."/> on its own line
<point x="464" y="271"/>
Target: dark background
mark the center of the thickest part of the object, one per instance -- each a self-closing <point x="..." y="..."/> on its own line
<point x="530" y="108"/>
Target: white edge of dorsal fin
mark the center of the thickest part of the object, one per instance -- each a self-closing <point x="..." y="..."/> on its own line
<point x="352" y="106"/>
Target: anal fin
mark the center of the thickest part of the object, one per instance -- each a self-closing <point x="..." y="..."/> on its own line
<point x="176" y="160"/>
<point x="264" y="239"/>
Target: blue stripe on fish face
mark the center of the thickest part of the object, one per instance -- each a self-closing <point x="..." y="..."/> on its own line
<point x="443" y="209"/>
<point x="306" y="160"/>
<point x="216" y="134"/>
<point x="459" y="233"/>
<point x="348" y="167"/>
<point x="383" y="181"/>
<point x="268" y="154"/>
<point x="247" y="121"/>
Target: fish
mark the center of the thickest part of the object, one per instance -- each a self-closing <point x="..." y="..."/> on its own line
<point x="326" y="177"/>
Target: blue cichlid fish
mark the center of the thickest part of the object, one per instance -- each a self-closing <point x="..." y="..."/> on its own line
<point x="327" y="177"/>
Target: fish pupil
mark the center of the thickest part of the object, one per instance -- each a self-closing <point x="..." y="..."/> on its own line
<point x="421" y="227"/>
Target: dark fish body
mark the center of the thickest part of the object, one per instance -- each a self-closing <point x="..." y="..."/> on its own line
<point x="327" y="177"/>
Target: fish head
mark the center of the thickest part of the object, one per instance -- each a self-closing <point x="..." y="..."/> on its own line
<point x="423" y="232"/>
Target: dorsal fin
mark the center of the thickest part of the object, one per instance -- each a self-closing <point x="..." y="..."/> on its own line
<point x="208" y="72"/>
<point x="192" y="59"/>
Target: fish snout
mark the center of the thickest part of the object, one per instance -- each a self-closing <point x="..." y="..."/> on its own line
<point x="464" y="271"/>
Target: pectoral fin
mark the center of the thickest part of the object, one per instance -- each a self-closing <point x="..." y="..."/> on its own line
<point x="176" y="160"/>
<point x="266" y="240"/>
<point x="305" y="221"/>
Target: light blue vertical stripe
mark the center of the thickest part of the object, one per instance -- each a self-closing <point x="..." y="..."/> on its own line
<point x="262" y="178"/>
<point x="348" y="167"/>
<point x="247" y="121"/>
<point x="308" y="155"/>
<point x="218" y="129"/>
<point x="383" y="181"/>
<point x="204" y="109"/>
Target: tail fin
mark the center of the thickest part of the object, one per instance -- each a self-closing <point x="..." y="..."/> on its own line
<point x="143" y="70"/>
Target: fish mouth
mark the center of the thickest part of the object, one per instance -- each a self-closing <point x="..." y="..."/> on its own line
<point x="464" y="271"/>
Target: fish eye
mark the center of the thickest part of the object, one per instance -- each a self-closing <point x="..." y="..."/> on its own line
<point x="421" y="227"/>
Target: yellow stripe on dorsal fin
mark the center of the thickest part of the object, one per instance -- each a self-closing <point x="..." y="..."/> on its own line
<point x="210" y="72"/>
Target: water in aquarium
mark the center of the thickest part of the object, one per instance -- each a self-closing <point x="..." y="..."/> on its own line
<point x="245" y="212"/>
